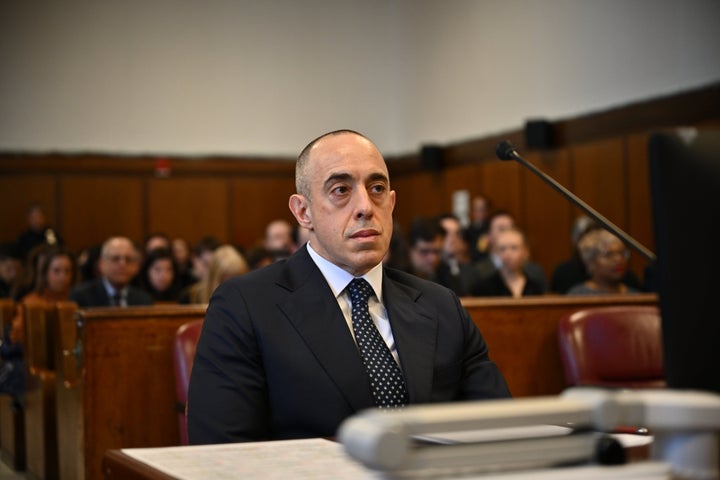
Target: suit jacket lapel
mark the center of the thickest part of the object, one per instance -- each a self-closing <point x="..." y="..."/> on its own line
<point x="415" y="333"/>
<point x="101" y="294"/>
<point x="314" y="313"/>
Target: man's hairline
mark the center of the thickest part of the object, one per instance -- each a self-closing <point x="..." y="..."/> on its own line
<point x="304" y="157"/>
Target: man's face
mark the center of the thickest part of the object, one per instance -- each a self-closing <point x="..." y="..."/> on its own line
<point x="278" y="236"/>
<point x="479" y="210"/>
<point x="453" y="243"/>
<point x="120" y="262"/>
<point x="350" y="204"/>
<point x="425" y="256"/>
<point x="36" y="219"/>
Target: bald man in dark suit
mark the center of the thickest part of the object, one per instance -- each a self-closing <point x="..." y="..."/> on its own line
<point x="119" y="263"/>
<point x="278" y="356"/>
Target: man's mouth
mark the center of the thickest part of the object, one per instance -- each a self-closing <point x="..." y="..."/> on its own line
<point x="365" y="233"/>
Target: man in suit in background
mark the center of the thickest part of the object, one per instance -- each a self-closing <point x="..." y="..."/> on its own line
<point x="278" y="356"/>
<point x="119" y="263"/>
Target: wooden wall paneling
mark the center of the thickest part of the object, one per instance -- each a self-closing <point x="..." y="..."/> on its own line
<point x="419" y="194"/>
<point x="256" y="201"/>
<point x="95" y="207"/>
<point x="547" y="213"/>
<point x="190" y="208"/>
<point x="17" y="193"/>
<point x="461" y="177"/>
<point x="501" y="182"/>
<point x="640" y="223"/>
<point x="598" y="176"/>
<point x="403" y="213"/>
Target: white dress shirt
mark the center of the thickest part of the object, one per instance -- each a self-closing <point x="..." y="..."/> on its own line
<point x="338" y="279"/>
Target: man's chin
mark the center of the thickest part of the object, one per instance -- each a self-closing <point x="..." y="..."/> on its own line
<point x="368" y="258"/>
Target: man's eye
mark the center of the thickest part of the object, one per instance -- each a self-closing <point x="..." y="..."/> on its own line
<point x="341" y="190"/>
<point x="379" y="188"/>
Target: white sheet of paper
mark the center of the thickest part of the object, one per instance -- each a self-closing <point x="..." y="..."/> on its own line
<point x="297" y="459"/>
<point x="319" y="459"/>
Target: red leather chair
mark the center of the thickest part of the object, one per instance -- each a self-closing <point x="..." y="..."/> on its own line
<point x="613" y="347"/>
<point x="184" y="346"/>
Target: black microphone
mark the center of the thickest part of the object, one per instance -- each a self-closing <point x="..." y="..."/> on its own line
<point x="506" y="151"/>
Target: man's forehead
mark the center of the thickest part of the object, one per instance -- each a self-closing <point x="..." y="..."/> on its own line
<point x="345" y="146"/>
<point x="119" y="245"/>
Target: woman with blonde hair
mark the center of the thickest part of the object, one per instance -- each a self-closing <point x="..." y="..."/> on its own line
<point x="226" y="262"/>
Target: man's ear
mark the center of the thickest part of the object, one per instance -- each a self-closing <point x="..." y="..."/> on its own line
<point x="299" y="207"/>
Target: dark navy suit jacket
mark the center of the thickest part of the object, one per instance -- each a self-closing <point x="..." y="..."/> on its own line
<point x="276" y="358"/>
<point x="93" y="294"/>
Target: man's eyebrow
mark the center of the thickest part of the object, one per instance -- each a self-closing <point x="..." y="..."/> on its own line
<point x="346" y="177"/>
<point x="337" y="177"/>
<point x="374" y="177"/>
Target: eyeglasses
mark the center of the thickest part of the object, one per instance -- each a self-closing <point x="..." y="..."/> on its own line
<point x="611" y="254"/>
<point x="120" y="258"/>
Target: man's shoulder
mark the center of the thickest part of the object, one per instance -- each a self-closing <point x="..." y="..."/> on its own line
<point x="410" y="281"/>
<point x="87" y="286"/>
<point x="291" y="273"/>
<point x="87" y="292"/>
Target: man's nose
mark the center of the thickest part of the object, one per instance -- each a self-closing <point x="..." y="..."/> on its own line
<point x="362" y="203"/>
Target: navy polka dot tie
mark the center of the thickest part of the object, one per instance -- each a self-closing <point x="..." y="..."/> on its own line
<point x="386" y="378"/>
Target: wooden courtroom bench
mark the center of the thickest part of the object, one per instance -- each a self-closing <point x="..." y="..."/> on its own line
<point x="522" y="335"/>
<point x="115" y="382"/>
<point x="41" y="447"/>
<point x="121" y="394"/>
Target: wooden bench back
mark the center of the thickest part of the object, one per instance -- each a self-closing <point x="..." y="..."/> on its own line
<point x="522" y="335"/>
<point x="125" y="385"/>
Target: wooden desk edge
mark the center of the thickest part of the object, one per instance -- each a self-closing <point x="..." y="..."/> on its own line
<point x="117" y="465"/>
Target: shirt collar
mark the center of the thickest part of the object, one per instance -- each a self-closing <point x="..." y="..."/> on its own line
<point x="111" y="290"/>
<point x="338" y="279"/>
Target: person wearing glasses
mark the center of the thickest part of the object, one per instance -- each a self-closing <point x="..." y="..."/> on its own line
<point x="606" y="259"/>
<point x="425" y="240"/>
<point x="119" y="263"/>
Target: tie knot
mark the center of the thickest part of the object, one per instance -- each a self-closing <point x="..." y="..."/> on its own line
<point x="360" y="290"/>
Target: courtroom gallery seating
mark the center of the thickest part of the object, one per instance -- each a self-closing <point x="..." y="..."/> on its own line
<point x="619" y="346"/>
<point x="41" y="444"/>
<point x="116" y="376"/>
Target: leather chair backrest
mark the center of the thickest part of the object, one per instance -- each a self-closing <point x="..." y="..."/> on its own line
<point x="184" y="347"/>
<point x="617" y="346"/>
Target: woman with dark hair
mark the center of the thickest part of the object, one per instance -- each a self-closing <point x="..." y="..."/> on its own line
<point x="159" y="276"/>
<point x="56" y="276"/>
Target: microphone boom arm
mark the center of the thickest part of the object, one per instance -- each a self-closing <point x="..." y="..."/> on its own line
<point x="508" y="152"/>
